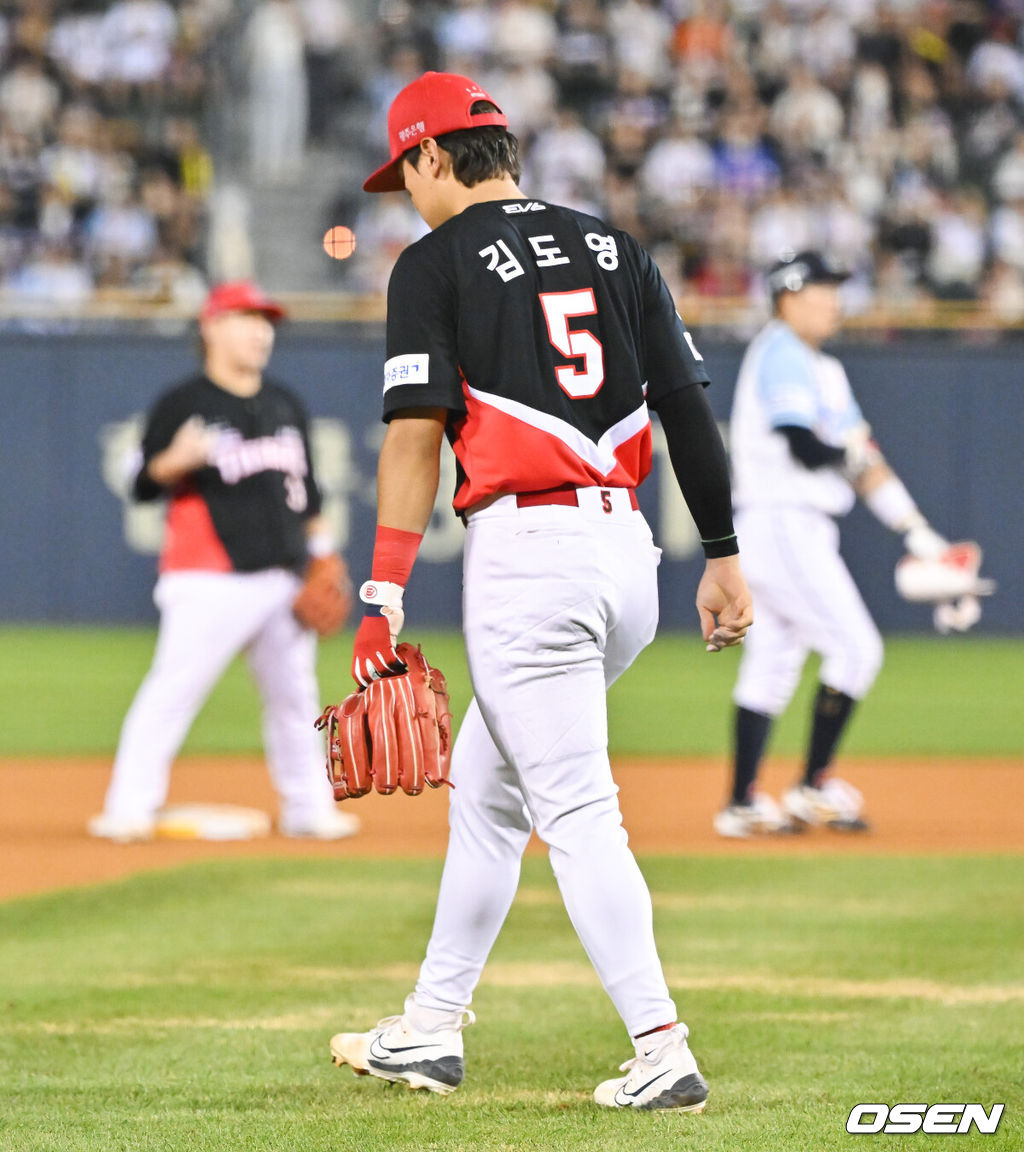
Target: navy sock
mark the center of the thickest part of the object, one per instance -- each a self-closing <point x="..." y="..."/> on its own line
<point x="750" y="736"/>
<point x="832" y="710"/>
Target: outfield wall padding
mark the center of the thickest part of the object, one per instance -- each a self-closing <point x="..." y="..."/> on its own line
<point x="948" y="413"/>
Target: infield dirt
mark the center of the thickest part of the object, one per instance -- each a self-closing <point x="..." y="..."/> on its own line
<point x="942" y="806"/>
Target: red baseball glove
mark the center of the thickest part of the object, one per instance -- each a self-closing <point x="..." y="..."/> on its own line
<point x="394" y="733"/>
<point x="325" y="598"/>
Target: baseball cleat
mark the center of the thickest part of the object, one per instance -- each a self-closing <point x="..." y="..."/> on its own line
<point x="122" y="829"/>
<point x="663" y="1076"/>
<point x="760" y="817"/>
<point x="836" y="804"/>
<point x="397" y="1051"/>
<point x="330" y="825"/>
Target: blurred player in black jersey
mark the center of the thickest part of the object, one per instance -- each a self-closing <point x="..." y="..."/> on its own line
<point x="230" y="451"/>
<point x="535" y="338"/>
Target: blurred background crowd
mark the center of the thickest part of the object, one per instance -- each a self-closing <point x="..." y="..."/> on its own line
<point x="150" y="146"/>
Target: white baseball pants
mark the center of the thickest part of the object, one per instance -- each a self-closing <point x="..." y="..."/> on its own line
<point x="206" y="619"/>
<point x="558" y="601"/>
<point x="805" y="601"/>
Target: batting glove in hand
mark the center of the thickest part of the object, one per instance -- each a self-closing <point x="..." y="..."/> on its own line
<point x="861" y="451"/>
<point x="374" y="656"/>
<point x="923" y="542"/>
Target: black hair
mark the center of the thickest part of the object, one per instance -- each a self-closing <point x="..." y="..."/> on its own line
<point x="486" y="153"/>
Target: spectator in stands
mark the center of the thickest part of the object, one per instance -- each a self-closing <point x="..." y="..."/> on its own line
<point x="567" y="161"/>
<point x="745" y="162"/>
<point x="525" y="33"/>
<point x="958" y="254"/>
<point x="330" y="35"/>
<point x="466" y="33"/>
<point x="679" y="170"/>
<point x="806" y="118"/>
<point x="1008" y="178"/>
<point x="119" y="233"/>
<point x="138" y="36"/>
<point x="278" y="93"/>
<point x="72" y="162"/>
<point x="711" y="128"/>
<point x="783" y="220"/>
<point x="386" y="225"/>
<point x="52" y="278"/>
<point x="29" y="98"/>
<point x="582" y="65"/>
<point x="642" y="40"/>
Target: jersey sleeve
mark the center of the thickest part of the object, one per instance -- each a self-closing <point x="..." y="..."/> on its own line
<point x="786" y="387"/>
<point x="314" y="497"/>
<point x="422" y="366"/>
<point x="671" y="359"/>
<point x="166" y="417"/>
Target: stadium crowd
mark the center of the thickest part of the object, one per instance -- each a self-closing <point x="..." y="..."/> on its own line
<point x="888" y="132"/>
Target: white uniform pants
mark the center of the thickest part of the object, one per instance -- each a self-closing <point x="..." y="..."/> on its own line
<point x="805" y="601"/>
<point x="206" y="619"/>
<point x="558" y="601"/>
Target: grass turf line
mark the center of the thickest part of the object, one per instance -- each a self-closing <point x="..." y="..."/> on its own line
<point x="66" y="692"/>
<point x="191" y="1010"/>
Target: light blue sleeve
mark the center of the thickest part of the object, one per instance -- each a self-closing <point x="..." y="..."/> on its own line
<point x="852" y="416"/>
<point x="786" y="385"/>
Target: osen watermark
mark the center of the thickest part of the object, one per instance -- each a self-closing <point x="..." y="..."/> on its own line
<point x="937" y="1119"/>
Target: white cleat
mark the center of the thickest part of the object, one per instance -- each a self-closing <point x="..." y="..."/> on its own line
<point x="122" y="829"/>
<point x="760" y="817"/>
<point x="662" y="1076"/>
<point x="396" y="1051"/>
<point x="836" y="804"/>
<point x="330" y="825"/>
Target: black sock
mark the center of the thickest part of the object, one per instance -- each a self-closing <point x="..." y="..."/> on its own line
<point x="750" y="736"/>
<point x="831" y="713"/>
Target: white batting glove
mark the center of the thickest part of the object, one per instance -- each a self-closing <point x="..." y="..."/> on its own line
<point x="861" y="451"/>
<point x="922" y="541"/>
<point x="373" y="653"/>
<point x="387" y="597"/>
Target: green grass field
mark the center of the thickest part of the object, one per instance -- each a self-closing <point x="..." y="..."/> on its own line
<point x="66" y="691"/>
<point x="191" y="1011"/>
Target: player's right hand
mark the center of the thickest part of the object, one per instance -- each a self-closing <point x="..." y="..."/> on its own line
<point x="373" y="654"/>
<point x="192" y="445"/>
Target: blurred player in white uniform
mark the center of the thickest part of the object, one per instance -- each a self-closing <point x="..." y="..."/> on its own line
<point x="801" y="455"/>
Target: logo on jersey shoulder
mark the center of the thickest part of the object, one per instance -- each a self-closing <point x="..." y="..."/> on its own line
<point x="521" y="206"/>
<point x="414" y="369"/>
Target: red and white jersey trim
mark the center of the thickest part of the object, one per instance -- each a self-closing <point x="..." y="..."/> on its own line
<point x="599" y="455"/>
<point x="507" y="446"/>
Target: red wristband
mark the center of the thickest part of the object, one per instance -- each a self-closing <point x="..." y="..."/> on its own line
<point x="394" y="552"/>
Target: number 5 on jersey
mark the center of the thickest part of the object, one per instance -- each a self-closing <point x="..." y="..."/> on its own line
<point x="585" y="379"/>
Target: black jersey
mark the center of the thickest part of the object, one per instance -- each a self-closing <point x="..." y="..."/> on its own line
<point x="545" y="333"/>
<point x="247" y="510"/>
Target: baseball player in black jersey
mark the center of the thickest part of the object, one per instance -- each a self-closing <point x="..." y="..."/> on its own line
<point x="230" y="451"/>
<point x="535" y="338"/>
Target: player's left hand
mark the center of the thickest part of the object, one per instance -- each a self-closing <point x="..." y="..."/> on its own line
<point x="923" y="542"/>
<point x="325" y="599"/>
<point x="724" y="603"/>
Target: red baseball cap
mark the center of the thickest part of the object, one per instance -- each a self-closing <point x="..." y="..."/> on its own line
<point x="241" y="296"/>
<point x="436" y="103"/>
